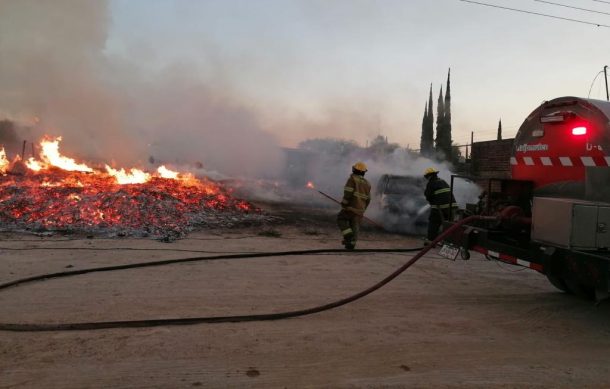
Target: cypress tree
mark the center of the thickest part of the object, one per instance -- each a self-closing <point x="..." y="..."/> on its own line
<point x="500" y="130"/>
<point x="427" y="132"/>
<point x="430" y="128"/>
<point x="443" y="123"/>
<point x="440" y="119"/>
<point x="446" y="144"/>
<point x="424" y="123"/>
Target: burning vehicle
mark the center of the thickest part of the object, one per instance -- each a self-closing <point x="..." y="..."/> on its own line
<point x="53" y="192"/>
<point x="402" y="202"/>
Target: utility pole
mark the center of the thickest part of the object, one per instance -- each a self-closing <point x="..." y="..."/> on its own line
<point x="606" y="78"/>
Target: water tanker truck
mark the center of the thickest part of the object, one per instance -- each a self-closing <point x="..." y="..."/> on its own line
<point x="553" y="214"/>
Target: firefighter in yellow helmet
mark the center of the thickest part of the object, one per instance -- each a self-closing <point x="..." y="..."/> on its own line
<point x="356" y="198"/>
<point x="442" y="203"/>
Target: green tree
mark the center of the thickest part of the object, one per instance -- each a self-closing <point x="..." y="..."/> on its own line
<point x="447" y="141"/>
<point x="443" y="124"/>
<point x="500" y="130"/>
<point x="440" y="115"/>
<point x="424" y="122"/>
<point x="427" y="133"/>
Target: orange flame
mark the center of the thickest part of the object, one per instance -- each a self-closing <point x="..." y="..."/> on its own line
<point x="74" y="196"/>
<point x="3" y="161"/>
<point x="190" y="180"/>
<point x="50" y="154"/>
<point x="166" y="173"/>
<point x="48" y="184"/>
<point x="33" y="164"/>
<point x="135" y="176"/>
<point x="56" y="192"/>
<point x="51" y="157"/>
<point x="310" y="185"/>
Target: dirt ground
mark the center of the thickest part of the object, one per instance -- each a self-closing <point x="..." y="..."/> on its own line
<point x="462" y="324"/>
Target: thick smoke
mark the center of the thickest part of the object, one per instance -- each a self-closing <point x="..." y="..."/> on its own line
<point x="327" y="163"/>
<point x="56" y="79"/>
<point x="51" y="68"/>
<point x="186" y="121"/>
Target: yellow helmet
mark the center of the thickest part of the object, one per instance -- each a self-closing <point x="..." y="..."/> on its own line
<point x="430" y="171"/>
<point x="361" y="166"/>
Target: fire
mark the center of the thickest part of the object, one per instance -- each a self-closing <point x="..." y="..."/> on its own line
<point x="33" y="164"/>
<point x="3" y="161"/>
<point x="310" y="185"/>
<point x="135" y="176"/>
<point x="50" y="155"/>
<point x="74" y="196"/>
<point x="48" y="184"/>
<point x="55" y="192"/>
<point x="166" y="173"/>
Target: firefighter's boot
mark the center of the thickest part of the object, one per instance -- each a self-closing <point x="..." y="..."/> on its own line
<point x="348" y="241"/>
<point x="428" y="242"/>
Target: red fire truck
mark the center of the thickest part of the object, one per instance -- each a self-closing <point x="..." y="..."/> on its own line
<point x="553" y="215"/>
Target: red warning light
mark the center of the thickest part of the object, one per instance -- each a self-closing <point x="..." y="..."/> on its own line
<point x="579" y="130"/>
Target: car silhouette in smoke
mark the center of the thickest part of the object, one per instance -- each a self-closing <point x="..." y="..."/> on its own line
<point x="404" y="207"/>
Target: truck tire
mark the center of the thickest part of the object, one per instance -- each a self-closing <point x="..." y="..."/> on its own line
<point x="559" y="283"/>
<point x="580" y="290"/>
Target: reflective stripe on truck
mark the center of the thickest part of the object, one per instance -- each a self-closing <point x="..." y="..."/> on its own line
<point x="508" y="258"/>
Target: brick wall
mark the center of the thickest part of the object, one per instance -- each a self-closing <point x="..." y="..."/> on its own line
<point x="492" y="158"/>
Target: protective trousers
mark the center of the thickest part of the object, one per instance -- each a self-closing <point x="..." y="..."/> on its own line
<point x="435" y="221"/>
<point x="349" y="224"/>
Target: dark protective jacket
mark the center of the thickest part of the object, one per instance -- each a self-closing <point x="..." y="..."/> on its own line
<point x="356" y="194"/>
<point x="438" y="193"/>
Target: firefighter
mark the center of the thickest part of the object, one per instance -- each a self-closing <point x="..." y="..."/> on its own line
<point x="442" y="202"/>
<point x="356" y="198"/>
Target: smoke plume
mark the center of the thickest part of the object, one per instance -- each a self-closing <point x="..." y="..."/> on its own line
<point x="56" y="79"/>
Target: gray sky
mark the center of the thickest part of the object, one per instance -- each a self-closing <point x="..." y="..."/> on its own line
<point x="352" y="68"/>
<point x="238" y="77"/>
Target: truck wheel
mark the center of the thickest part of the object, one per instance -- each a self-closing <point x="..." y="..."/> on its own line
<point x="580" y="290"/>
<point x="559" y="283"/>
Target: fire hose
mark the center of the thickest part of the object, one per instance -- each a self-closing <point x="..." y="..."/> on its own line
<point x="37" y="327"/>
<point x="373" y="222"/>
